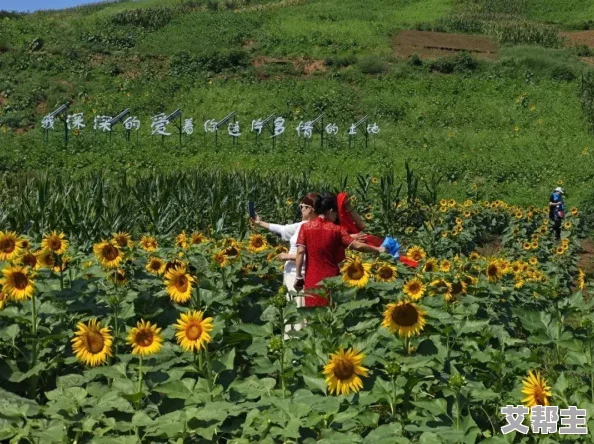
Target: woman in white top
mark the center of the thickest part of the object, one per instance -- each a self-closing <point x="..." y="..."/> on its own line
<point x="290" y="233"/>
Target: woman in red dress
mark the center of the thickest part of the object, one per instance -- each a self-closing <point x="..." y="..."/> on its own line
<point x="323" y="240"/>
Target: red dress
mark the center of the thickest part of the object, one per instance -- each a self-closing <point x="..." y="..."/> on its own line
<point x="323" y="242"/>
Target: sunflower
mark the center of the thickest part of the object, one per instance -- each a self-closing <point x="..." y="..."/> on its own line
<point x="474" y="256"/>
<point x="405" y="318"/>
<point x="416" y="253"/>
<point x="145" y="339"/>
<point x="494" y="271"/>
<point x="518" y="215"/>
<point x="45" y="258"/>
<point x="445" y="266"/>
<point x="440" y="286"/>
<point x="574" y="211"/>
<point x="457" y="288"/>
<point x="257" y="243"/>
<point x="3" y="300"/>
<point x="536" y="390"/>
<point x="17" y="283"/>
<point x="343" y="371"/>
<point x="289" y="201"/>
<point x="192" y="330"/>
<point x="451" y="203"/>
<point x="91" y="343"/>
<point x="155" y="265"/>
<point x="197" y="238"/>
<point x="374" y="180"/>
<point x="567" y="225"/>
<point x="63" y="265"/>
<point x="414" y="289"/>
<point x="25" y="243"/>
<point x="560" y="251"/>
<point x="444" y="234"/>
<point x="10" y="246"/>
<point x="30" y="260"/>
<point x="534" y="245"/>
<point x="526" y="246"/>
<point x="182" y="241"/>
<point x="118" y="277"/>
<point x="443" y="209"/>
<point x="231" y="248"/>
<point x="443" y="202"/>
<point x="430" y="266"/>
<point x="355" y="273"/>
<point x="467" y="214"/>
<point x="385" y="272"/>
<point x="179" y="284"/>
<point x="122" y="239"/>
<point x="149" y="243"/>
<point x="368" y="216"/>
<point x="533" y="260"/>
<point x="581" y="279"/>
<point x="55" y="242"/>
<point x="108" y="253"/>
<point x="221" y="259"/>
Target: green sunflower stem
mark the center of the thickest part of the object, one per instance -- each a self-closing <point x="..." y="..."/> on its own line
<point x="139" y="378"/>
<point x="208" y="371"/>
<point x="33" y="387"/>
<point x="61" y="276"/>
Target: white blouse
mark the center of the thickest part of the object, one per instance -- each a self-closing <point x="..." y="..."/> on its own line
<point x="289" y="233"/>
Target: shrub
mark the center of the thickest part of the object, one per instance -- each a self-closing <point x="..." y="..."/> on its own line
<point x="562" y="73"/>
<point x="212" y="5"/>
<point x="415" y="60"/>
<point x="464" y="61"/>
<point x="444" y="65"/>
<point x="341" y="61"/>
<point x="373" y="65"/>
<point x="148" y="18"/>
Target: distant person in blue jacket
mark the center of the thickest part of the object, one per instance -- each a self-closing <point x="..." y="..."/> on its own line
<point x="556" y="210"/>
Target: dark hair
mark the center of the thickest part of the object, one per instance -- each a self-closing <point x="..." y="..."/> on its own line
<point x="325" y="202"/>
<point x="309" y="199"/>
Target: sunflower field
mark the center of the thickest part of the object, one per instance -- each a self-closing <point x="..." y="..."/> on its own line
<point x="191" y="337"/>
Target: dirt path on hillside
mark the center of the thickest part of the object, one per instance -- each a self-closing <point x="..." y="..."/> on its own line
<point x="428" y="44"/>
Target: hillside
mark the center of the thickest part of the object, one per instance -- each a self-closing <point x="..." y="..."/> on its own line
<point x="498" y="110"/>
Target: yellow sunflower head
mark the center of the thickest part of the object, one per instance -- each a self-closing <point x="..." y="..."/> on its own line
<point x="445" y="266"/>
<point x="440" y="286"/>
<point x="405" y="318"/>
<point x="193" y="330"/>
<point x="30" y="260"/>
<point x="257" y="243"/>
<point x="3" y="300"/>
<point x="416" y="253"/>
<point x="385" y="272"/>
<point x="526" y="245"/>
<point x="343" y="372"/>
<point x="494" y="271"/>
<point x="155" y="265"/>
<point x="122" y="239"/>
<point x="536" y="389"/>
<point x="179" y="284"/>
<point x="108" y="253"/>
<point x="368" y="216"/>
<point x="231" y="248"/>
<point x="430" y="266"/>
<point x="457" y="288"/>
<point x="574" y="211"/>
<point x="581" y="279"/>
<point x="414" y="289"/>
<point x="17" y="283"/>
<point x="221" y="259"/>
<point x="55" y="242"/>
<point x="10" y="246"/>
<point x="355" y="273"/>
<point x="149" y="243"/>
<point x="474" y="256"/>
<point x="533" y="260"/>
<point x="145" y="339"/>
<point x="182" y="240"/>
<point x="92" y="343"/>
<point x="198" y="238"/>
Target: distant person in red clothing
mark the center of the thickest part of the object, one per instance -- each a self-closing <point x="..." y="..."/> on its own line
<point x="354" y="224"/>
<point x="323" y="241"/>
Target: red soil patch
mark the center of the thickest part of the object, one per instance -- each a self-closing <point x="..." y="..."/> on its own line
<point x="579" y="38"/>
<point x="427" y="44"/>
<point x="586" y="257"/>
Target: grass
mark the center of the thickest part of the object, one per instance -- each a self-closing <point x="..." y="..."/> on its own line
<point x="471" y="127"/>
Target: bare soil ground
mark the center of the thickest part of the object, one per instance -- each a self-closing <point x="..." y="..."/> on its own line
<point x="303" y="66"/>
<point x="430" y="45"/>
<point x="576" y="38"/>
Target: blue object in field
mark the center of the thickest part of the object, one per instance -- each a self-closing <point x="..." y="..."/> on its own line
<point x="392" y="246"/>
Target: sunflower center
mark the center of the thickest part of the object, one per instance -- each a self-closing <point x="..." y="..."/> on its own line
<point x="181" y="283"/>
<point x="355" y="272"/>
<point x="344" y="369"/>
<point x="257" y="242"/>
<point x="55" y="244"/>
<point x="457" y="287"/>
<point x="539" y="396"/>
<point x="30" y="260"/>
<point x="429" y="266"/>
<point x="110" y="252"/>
<point x="416" y="256"/>
<point x="144" y="338"/>
<point x="405" y="315"/>
<point x="231" y="251"/>
<point x="492" y="270"/>
<point x="193" y="331"/>
<point x="155" y="265"/>
<point x="94" y="341"/>
<point x="386" y="273"/>
<point x="7" y="245"/>
<point x="121" y="241"/>
<point x="414" y="287"/>
<point x="20" y="280"/>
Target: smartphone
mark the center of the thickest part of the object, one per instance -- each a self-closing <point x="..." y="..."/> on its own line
<point x="251" y="210"/>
